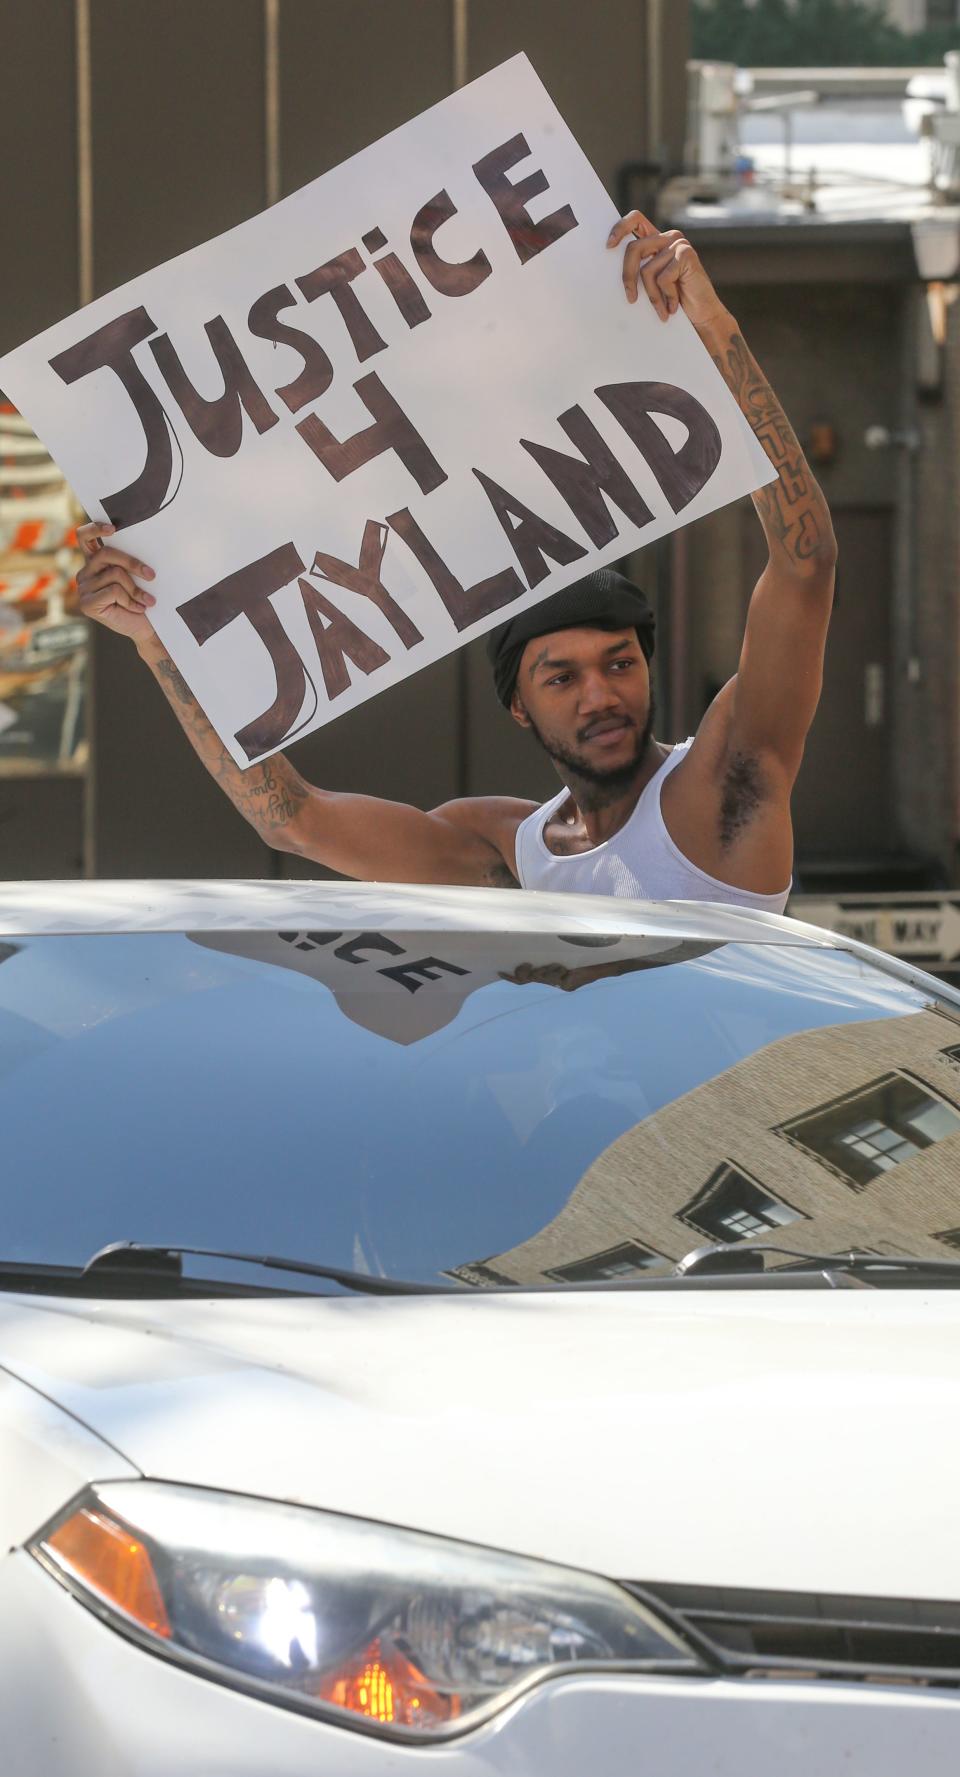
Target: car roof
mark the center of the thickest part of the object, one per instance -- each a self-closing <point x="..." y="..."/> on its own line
<point x="31" y="909"/>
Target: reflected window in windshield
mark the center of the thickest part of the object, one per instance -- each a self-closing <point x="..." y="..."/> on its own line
<point x="732" y="1206"/>
<point x="870" y="1132"/>
<point x="625" y="1260"/>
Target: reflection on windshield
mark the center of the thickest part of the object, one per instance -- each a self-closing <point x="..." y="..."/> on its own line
<point x="866" y="1163"/>
<point x="492" y="1108"/>
<point x="396" y="987"/>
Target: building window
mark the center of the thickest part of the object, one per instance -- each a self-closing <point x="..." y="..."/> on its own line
<point x="624" y="1260"/>
<point x="480" y="1274"/>
<point x="733" y="1206"/>
<point x="870" y="1132"/>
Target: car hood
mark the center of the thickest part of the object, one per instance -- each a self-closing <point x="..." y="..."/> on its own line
<point x="794" y="1440"/>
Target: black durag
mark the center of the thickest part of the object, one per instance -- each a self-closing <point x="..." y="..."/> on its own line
<point x="603" y="600"/>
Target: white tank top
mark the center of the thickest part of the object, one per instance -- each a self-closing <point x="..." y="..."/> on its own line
<point x="641" y="861"/>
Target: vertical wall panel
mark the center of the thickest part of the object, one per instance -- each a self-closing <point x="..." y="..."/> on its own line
<point x="349" y="73"/>
<point x="590" y="58"/>
<point x="38" y="186"/>
<point x="675" y="52"/>
<point x="178" y="127"/>
<point x="178" y="140"/>
<point x="41" y="819"/>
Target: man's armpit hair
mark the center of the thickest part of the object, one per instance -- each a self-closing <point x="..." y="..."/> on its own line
<point x="499" y="875"/>
<point x="741" y="796"/>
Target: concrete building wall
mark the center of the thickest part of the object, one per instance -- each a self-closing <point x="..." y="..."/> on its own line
<point x="134" y="129"/>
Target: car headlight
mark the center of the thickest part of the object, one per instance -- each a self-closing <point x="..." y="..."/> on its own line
<point x="405" y="1634"/>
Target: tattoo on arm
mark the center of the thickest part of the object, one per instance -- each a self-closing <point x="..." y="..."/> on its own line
<point x="792" y="510"/>
<point x="269" y="795"/>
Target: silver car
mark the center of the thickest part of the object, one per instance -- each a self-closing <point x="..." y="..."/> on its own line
<point x="472" y="1332"/>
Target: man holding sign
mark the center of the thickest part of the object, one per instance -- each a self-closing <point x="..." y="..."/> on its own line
<point x="707" y="820"/>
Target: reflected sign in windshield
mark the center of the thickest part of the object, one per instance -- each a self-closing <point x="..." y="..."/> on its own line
<point x="483" y="1109"/>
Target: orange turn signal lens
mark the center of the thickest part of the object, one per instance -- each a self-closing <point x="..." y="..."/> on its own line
<point x="387" y="1687"/>
<point x="110" y="1561"/>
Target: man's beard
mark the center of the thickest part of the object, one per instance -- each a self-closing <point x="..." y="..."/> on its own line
<point x="595" y="785"/>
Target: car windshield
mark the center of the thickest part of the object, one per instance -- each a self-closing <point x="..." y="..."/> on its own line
<point x="471" y="1109"/>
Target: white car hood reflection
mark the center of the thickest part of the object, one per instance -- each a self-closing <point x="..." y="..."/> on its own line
<point x="780" y="1439"/>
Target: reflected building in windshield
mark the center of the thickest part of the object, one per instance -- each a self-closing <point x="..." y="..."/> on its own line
<point x="846" y="1136"/>
<point x="518" y="1106"/>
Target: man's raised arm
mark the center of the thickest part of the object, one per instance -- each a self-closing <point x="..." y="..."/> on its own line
<point x="780" y="675"/>
<point x="778" y="682"/>
<point x="467" y="842"/>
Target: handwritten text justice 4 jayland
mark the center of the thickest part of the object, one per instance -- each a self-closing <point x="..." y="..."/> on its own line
<point x="590" y="479"/>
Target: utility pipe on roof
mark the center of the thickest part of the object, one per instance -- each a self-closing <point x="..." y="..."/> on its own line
<point x="461" y="72"/>
<point x="84" y="126"/>
<point x="654" y="79"/>
<point x="271" y="100"/>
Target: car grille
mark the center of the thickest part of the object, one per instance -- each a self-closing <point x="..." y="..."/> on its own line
<point x="757" y="1634"/>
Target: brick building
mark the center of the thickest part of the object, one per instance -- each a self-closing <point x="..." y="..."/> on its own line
<point x="828" y="1139"/>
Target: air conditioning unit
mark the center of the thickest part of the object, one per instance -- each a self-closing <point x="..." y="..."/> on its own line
<point x="712" y="135"/>
<point x="943" y="129"/>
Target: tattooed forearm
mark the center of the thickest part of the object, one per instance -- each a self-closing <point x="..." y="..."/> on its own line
<point x="269" y="796"/>
<point x="792" y="510"/>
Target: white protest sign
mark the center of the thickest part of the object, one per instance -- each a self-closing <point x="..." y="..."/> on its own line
<point x="401" y="405"/>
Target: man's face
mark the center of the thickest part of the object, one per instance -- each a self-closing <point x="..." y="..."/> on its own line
<point x="586" y="695"/>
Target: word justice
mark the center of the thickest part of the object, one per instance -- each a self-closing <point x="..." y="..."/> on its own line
<point x="218" y="422"/>
<point x="586" y="482"/>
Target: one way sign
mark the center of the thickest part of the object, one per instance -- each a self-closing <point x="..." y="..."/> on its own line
<point x="920" y="926"/>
